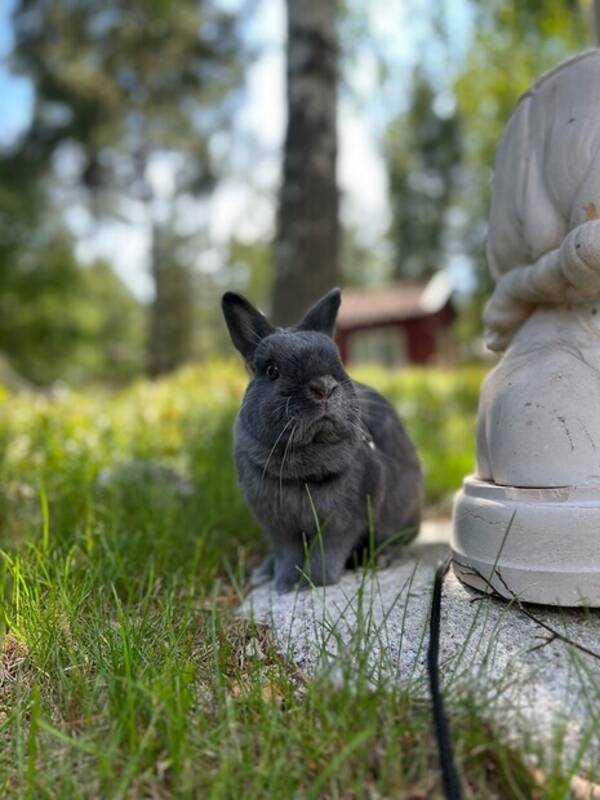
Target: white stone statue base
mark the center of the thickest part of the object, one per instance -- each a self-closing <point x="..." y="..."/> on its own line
<point x="551" y="554"/>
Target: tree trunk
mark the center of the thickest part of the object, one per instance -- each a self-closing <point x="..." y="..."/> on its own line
<point x="171" y="313"/>
<point x="307" y="226"/>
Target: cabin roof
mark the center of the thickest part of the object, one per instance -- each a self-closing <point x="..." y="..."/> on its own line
<point x="394" y="302"/>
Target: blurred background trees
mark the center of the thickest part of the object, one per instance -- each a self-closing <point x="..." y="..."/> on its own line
<point x="138" y="132"/>
<point x="423" y="151"/>
<point x="121" y="88"/>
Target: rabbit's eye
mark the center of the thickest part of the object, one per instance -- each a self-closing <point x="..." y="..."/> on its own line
<point x="272" y="372"/>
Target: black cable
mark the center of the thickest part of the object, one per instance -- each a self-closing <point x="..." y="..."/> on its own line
<point x="442" y="733"/>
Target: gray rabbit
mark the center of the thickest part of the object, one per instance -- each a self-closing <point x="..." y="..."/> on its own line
<point x="323" y="461"/>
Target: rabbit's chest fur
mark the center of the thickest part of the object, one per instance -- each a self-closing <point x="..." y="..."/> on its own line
<point x="292" y="507"/>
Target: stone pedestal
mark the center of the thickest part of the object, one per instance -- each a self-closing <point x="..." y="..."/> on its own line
<point x="548" y="554"/>
<point x="538" y="439"/>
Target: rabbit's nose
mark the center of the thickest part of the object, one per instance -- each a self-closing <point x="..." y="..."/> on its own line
<point x="323" y="387"/>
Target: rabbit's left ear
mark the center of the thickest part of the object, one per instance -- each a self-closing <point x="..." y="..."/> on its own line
<point x="247" y="326"/>
<point x="322" y="316"/>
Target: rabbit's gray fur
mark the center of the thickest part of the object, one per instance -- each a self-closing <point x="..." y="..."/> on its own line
<point x="312" y="444"/>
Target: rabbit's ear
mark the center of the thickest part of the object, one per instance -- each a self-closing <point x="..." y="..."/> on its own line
<point x="321" y="317"/>
<point x="247" y="326"/>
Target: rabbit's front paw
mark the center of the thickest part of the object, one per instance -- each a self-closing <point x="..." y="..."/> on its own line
<point x="287" y="573"/>
<point x="285" y="583"/>
<point x="326" y="566"/>
<point x="262" y="573"/>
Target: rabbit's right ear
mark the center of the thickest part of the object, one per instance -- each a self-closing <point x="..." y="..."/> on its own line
<point x="247" y="326"/>
<point x="322" y="316"/>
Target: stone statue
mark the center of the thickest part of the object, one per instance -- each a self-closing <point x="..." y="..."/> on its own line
<point x="529" y="522"/>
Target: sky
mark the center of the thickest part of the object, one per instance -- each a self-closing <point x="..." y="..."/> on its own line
<point x="244" y="203"/>
<point x="16" y="96"/>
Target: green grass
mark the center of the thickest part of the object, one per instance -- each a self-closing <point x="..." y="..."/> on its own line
<point x="124" y="670"/>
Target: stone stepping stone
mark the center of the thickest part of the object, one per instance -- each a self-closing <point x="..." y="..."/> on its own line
<point x="374" y="626"/>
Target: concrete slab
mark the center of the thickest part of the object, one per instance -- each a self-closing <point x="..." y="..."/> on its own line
<point x="373" y="626"/>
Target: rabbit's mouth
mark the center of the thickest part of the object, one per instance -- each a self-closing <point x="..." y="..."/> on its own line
<point x="327" y="428"/>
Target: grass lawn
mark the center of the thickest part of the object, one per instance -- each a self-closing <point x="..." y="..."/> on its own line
<point x="124" y="671"/>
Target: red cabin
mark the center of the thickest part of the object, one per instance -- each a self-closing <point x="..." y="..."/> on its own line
<point x="400" y="323"/>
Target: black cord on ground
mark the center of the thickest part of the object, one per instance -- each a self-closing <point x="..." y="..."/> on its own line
<point x="442" y="733"/>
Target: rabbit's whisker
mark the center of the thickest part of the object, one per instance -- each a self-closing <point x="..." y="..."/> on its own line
<point x="290" y="438"/>
<point x="359" y="428"/>
<point x="283" y="430"/>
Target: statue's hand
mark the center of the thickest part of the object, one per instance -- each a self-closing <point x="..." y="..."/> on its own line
<point x="502" y="316"/>
<point x="570" y="273"/>
<point x="580" y="261"/>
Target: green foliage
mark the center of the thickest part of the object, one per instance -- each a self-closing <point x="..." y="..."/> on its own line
<point x="251" y="270"/>
<point x="59" y="320"/>
<point x="172" y="318"/>
<point x="248" y="270"/>
<point x="113" y="328"/>
<point x="423" y="155"/>
<point x="361" y="263"/>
